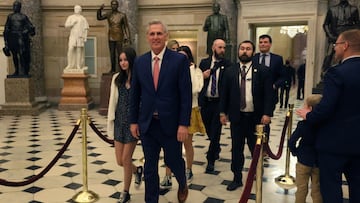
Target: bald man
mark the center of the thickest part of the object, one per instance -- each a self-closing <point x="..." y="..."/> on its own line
<point x="213" y="68"/>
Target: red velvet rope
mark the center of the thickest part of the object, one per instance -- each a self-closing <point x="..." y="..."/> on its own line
<point x="250" y="178"/>
<point x="281" y="145"/>
<point x="97" y="131"/>
<point x="45" y="170"/>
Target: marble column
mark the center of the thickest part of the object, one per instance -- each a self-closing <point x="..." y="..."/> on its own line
<point x="32" y="8"/>
<point x="129" y="7"/>
<point x="229" y="8"/>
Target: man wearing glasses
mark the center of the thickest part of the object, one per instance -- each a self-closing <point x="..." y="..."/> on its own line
<point x="336" y="118"/>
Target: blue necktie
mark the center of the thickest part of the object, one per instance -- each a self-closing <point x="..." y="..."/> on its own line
<point x="262" y="62"/>
<point x="213" y="79"/>
<point x="213" y="84"/>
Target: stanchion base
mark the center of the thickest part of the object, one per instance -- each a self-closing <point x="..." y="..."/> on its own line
<point x="285" y="181"/>
<point x="86" y="197"/>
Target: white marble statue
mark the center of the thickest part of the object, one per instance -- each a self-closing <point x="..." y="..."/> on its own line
<point x="78" y="35"/>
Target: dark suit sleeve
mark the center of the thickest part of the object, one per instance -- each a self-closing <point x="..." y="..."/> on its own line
<point x="185" y="93"/>
<point x="279" y="73"/>
<point x="268" y="92"/>
<point x="224" y="92"/>
<point x="295" y="136"/>
<point x="204" y="64"/>
<point x="331" y="94"/>
<point x="134" y="95"/>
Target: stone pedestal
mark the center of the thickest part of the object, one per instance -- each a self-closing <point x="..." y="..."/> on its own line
<point x="20" y="98"/>
<point x="105" y="93"/>
<point x="75" y="94"/>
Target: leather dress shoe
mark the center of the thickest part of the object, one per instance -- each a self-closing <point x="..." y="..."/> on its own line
<point x="234" y="185"/>
<point x="183" y="194"/>
<point x="210" y="168"/>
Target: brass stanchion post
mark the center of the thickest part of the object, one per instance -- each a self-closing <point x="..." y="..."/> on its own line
<point x="259" y="167"/>
<point x="85" y="196"/>
<point x="287" y="181"/>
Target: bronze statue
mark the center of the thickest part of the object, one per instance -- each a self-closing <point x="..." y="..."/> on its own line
<point x="17" y="32"/>
<point x="217" y="27"/>
<point x="339" y="18"/>
<point x="119" y="33"/>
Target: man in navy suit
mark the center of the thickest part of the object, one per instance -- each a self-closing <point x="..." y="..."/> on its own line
<point x="213" y="68"/>
<point x="275" y="63"/>
<point x="160" y="109"/>
<point x="337" y="117"/>
<point x="255" y="108"/>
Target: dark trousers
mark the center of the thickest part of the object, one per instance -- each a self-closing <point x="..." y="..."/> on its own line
<point x="331" y="169"/>
<point x="285" y="90"/>
<point x="300" y="89"/>
<point x="152" y="142"/>
<point x="245" y="128"/>
<point x="115" y="48"/>
<point x="211" y="117"/>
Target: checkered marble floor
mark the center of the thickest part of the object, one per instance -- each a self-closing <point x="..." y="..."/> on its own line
<point x="29" y="143"/>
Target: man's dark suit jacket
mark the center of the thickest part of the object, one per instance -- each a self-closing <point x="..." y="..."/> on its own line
<point x="261" y="90"/>
<point x="204" y="65"/>
<point x="276" y="64"/>
<point x="171" y="100"/>
<point x="338" y="113"/>
<point x="277" y="74"/>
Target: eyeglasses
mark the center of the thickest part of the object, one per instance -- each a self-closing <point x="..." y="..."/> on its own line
<point x="336" y="43"/>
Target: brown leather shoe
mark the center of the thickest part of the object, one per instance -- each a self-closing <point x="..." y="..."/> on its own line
<point x="182" y="194"/>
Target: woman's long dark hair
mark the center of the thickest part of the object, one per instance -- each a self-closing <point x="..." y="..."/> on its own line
<point x="187" y="50"/>
<point x="123" y="74"/>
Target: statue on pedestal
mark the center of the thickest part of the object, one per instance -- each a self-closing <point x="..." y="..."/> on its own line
<point x="217" y="27"/>
<point x="339" y="18"/>
<point x="119" y="33"/>
<point x="17" y="32"/>
<point x="77" y="38"/>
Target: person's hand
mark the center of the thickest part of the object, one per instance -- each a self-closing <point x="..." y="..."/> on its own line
<point x="223" y="119"/>
<point x="182" y="133"/>
<point x="134" y="130"/>
<point x="265" y="119"/>
<point x="302" y="112"/>
<point x="206" y="73"/>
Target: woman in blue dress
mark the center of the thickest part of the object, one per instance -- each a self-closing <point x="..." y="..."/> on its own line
<point x="118" y="125"/>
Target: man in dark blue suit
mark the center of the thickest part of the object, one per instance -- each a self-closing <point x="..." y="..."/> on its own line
<point x="246" y="98"/>
<point x="275" y="63"/>
<point x="160" y="109"/>
<point x="212" y="68"/>
<point x="337" y="117"/>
